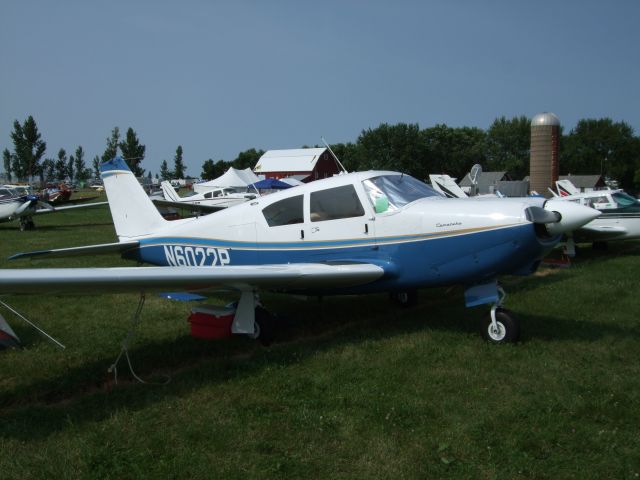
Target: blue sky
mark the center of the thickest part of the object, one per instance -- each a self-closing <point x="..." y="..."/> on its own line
<point x="221" y="77"/>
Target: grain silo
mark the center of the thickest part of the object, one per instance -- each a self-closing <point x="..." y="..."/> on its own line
<point x="543" y="166"/>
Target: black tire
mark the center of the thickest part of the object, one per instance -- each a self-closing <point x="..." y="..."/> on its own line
<point x="404" y="299"/>
<point x="508" y="327"/>
<point x="265" y="327"/>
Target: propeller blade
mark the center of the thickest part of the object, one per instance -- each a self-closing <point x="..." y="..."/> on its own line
<point x="540" y="215"/>
<point x="22" y="208"/>
<point x="46" y="205"/>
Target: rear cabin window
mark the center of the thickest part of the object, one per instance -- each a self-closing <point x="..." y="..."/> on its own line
<point x="284" y="212"/>
<point x="335" y="203"/>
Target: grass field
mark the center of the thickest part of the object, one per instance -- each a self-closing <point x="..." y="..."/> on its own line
<point x="354" y="388"/>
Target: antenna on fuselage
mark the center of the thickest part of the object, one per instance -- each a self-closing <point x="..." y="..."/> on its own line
<point x="334" y="155"/>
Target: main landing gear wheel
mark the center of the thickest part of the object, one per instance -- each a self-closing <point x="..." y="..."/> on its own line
<point x="265" y="328"/>
<point x="404" y="299"/>
<point x="505" y="330"/>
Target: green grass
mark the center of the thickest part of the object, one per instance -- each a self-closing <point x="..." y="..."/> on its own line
<point x="354" y="388"/>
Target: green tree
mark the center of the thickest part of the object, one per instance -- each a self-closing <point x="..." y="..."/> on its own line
<point x="179" y="167"/>
<point x="28" y="148"/>
<point x="602" y="146"/>
<point x="48" y="170"/>
<point x="133" y="152"/>
<point x="453" y="150"/>
<point x="165" y="173"/>
<point x="393" y="147"/>
<point x="82" y="173"/>
<point x="247" y="159"/>
<point x="508" y="146"/>
<point x="61" y="165"/>
<point x="6" y="157"/>
<point x="111" y="151"/>
<point x="213" y="169"/>
<point x="96" y="166"/>
<point x="71" y="168"/>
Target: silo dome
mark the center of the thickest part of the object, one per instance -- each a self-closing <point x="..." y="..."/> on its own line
<point x="545" y="118"/>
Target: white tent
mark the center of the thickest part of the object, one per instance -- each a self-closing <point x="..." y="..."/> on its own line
<point x="231" y="178"/>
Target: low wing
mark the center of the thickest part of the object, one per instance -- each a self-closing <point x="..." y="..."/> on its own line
<point x="105" y="248"/>
<point x="187" y="206"/>
<point x="67" y="207"/>
<point x="193" y="279"/>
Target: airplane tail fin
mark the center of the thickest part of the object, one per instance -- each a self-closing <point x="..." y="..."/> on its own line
<point x="447" y="186"/>
<point x="566" y="188"/>
<point x="133" y="212"/>
<point x="169" y="192"/>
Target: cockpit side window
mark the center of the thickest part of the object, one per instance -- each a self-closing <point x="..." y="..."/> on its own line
<point x="335" y="203"/>
<point x="284" y="212"/>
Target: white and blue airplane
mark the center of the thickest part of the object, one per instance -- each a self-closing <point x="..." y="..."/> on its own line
<point x="22" y="206"/>
<point x="356" y="233"/>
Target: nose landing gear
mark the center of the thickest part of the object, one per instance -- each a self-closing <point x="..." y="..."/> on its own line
<point x="500" y="326"/>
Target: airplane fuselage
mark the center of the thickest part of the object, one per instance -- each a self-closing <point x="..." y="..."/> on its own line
<point x="421" y="242"/>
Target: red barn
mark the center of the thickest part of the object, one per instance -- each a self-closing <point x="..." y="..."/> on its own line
<point x="306" y="164"/>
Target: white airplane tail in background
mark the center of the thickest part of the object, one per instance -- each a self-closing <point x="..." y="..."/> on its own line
<point x="169" y="192"/>
<point x="566" y="188"/>
<point x="134" y="214"/>
<point x="447" y="186"/>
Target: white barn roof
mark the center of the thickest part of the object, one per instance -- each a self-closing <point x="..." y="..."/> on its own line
<point x="294" y="160"/>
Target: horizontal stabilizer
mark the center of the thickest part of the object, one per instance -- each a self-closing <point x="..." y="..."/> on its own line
<point x="103" y="249"/>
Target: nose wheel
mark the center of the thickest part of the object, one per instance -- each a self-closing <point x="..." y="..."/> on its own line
<point x="500" y="326"/>
<point x="26" y="223"/>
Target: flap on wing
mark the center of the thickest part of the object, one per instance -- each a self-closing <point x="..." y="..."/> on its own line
<point x="191" y="279"/>
<point x="103" y="249"/>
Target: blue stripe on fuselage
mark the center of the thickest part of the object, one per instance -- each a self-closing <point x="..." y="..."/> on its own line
<point x="421" y="262"/>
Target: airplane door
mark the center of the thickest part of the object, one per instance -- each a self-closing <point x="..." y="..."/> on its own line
<point x="340" y="224"/>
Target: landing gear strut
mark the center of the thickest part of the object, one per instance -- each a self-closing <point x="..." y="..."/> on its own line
<point x="26" y="223"/>
<point x="404" y="299"/>
<point x="500" y="326"/>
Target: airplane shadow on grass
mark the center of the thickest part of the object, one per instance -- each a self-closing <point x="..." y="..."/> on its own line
<point x="87" y="394"/>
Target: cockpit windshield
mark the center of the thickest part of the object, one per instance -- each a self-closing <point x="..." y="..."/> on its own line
<point x="623" y="199"/>
<point x="391" y="192"/>
<point x="8" y="193"/>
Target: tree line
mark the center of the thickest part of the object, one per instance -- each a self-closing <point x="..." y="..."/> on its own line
<point x="594" y="146"/>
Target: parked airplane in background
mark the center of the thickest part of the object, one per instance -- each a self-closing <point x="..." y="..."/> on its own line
<point x="209" y="201"/>
<point x="356" y="233"/>
<point x="14" y="205"/>
<point x="620" y="219"/>
<point x="447" y="186"/>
